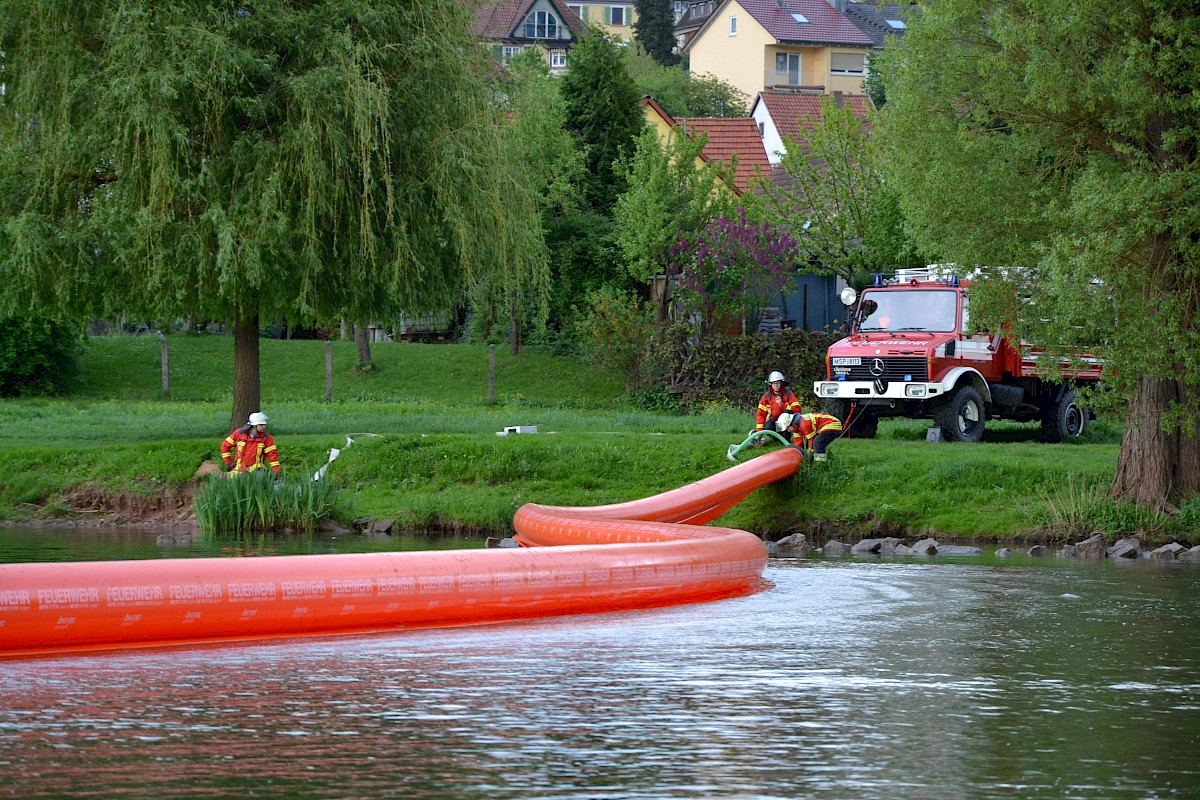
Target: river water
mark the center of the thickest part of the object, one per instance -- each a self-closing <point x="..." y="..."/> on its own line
<point x="931" y="678"/>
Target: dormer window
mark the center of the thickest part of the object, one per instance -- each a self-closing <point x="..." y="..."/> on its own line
<point x="541" y="25"/>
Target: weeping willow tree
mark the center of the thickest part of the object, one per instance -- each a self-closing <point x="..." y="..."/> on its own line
<point x="1063" y="137"/>
<point x="303" y="160"/>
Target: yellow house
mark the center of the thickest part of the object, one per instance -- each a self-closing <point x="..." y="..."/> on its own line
<point x="796" y="45"/>
<point x="611" y="16"/>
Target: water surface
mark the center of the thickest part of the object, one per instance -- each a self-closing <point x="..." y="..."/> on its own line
<point x="847" y="679"/>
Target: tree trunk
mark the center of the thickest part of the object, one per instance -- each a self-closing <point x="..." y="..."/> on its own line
<point x="362" y="343"/>
<point x="1156" y="469"/>
<point x="246" y="382"/>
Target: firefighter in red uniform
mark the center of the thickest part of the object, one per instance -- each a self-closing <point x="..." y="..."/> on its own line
<point x="817" y="431"/>
<point x="250" y="447"/>
<point x="776" y="400"/>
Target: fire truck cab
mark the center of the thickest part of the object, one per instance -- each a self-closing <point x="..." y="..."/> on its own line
<point x="911" y="353"/>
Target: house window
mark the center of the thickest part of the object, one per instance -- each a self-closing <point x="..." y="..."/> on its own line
<point x="733" y="26"/>
<point x="803" y="20"/>
<point x="541" y="25"/>
<point x="558" y="59"/>
<point x="898" y="24"/>
<point x="846" y="64"/>
<point x="509" y="53"/>
<point x="788" y="64"/>
<point x="578" y="10"/>
<point x="617" y="16"/>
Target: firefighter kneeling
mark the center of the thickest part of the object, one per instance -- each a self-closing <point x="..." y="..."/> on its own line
<point x="815" y="431"/>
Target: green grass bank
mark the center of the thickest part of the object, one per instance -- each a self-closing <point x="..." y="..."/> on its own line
<point x="119" y="449"/>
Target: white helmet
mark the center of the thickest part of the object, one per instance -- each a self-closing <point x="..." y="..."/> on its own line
<point x="776" y="376"/>
<point x="258" y="418"/>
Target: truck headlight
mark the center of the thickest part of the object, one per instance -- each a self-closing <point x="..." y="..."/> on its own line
<point x="829" y="390"/>
<point x="914" y="390"/>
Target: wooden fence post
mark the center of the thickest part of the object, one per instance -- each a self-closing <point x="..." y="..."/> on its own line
<point x="491" y="374"/>
<point x="328" y="371"/>
<point x="166" y="367"/>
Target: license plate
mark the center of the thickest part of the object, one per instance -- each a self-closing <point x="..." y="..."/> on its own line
<point x="847" y="361"/>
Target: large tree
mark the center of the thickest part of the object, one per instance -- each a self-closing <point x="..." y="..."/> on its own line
<point x="304" y="160"/>
<point x="603" y="111"/>
<point x="835" y="201"/>
<point x="1060" y="137"/>
<point x="673" y="194"/>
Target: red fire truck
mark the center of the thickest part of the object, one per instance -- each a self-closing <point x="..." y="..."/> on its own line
<point x="910" y="353"/>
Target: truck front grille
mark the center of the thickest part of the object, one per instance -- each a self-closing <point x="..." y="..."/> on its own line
<point x="894" y="369"/>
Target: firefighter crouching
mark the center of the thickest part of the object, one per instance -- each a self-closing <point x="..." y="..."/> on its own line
<point x="250" y="447"/>
<point x="815" y="431"/>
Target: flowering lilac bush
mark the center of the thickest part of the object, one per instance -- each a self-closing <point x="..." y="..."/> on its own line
<point x="734" y="267"/>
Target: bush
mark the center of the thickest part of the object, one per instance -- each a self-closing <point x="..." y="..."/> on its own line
<point x="731" y="369"/>
<point x="38" y="356"/>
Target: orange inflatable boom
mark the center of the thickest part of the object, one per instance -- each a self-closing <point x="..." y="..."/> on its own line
<point x="640" y="554"/>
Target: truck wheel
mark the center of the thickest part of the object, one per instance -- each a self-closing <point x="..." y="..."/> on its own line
<point x="863" y="426"/>
<point x="961" y="417"/>
<point x="1065" y="419"/>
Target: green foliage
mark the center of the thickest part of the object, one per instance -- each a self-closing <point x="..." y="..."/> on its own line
<point x="669" y="198"/>
<point x="1076" y="508"/>
<point x="1084" y="183"/>
<point x="38" y="356"/>
<point x="734" y="266"/>
<point x="255" y="501"/>
<point x="603" y="111"/>
<point x="260" y="162"/>
<point x="709" y="96"/>
<point x="838" y="204"/>
<point x="731" y="370"/>
<point x="617" y="331"/>
<point x="680" y="93"/>
<point x="655" y="30"/>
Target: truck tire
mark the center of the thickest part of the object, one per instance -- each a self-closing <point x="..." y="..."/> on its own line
<point x="1065" y="419"/>
<point x="961" y="416"/>
<point x="862" y="426"/>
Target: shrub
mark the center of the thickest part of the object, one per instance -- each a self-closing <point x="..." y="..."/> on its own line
<point x="731" y="369"/>
<point x="618" y="330"/>
<point x="38" y="356"/>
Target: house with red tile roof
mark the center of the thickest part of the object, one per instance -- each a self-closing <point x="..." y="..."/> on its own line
<point x="513" y="26"/>
<point x="731" y="140"/>
<point x="787" y="115"/>
<point x="798" y="45"/>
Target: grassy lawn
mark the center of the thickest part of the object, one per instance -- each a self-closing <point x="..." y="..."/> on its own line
<point x="436" y="459"/>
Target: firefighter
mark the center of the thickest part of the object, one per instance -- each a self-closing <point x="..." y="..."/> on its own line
<point x="250" y="447"/>
<point x="776" y="400"/>
<point x="817" y="431"/>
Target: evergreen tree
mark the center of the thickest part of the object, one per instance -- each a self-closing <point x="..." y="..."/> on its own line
<point x="655" y="30"/>
<point x="297" y="160"/>
<point x="603" y="111"/>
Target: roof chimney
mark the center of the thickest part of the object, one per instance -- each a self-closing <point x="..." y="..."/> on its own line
<point x="838" y="100"/>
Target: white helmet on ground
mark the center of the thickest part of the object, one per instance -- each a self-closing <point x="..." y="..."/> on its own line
<point x="776" y="376"/>
<point x="258" y="418"/>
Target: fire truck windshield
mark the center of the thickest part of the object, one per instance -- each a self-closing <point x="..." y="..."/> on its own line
<point x="933" y="310"/>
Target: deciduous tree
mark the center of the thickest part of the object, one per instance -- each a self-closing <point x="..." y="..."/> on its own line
<point x="1061" y="137"/>
<point x="308" y="161"/>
